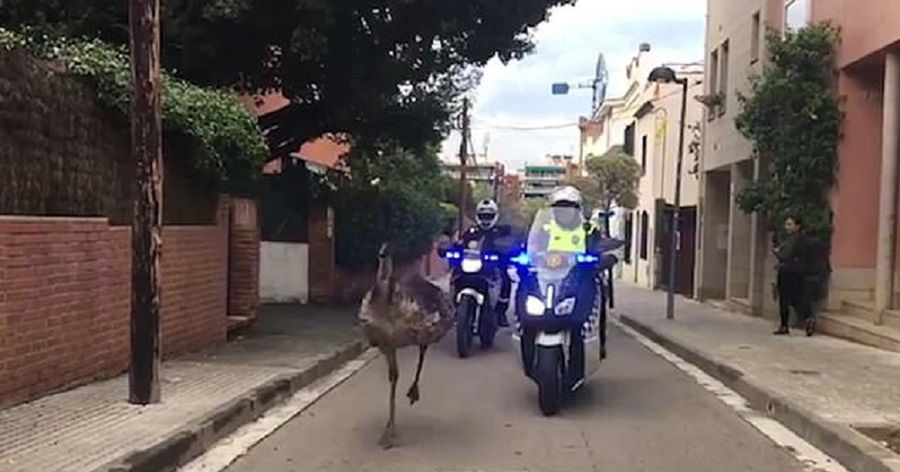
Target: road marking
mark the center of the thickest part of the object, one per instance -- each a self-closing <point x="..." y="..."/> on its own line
<point x="812" y="459"/>
<point x="229" y="449"/>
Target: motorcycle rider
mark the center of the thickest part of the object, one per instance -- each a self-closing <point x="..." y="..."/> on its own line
<point x="568" y="232"/>
<point x="487" y="214"/>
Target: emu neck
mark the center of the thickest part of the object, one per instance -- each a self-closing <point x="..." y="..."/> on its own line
<point x="384" y="279"/>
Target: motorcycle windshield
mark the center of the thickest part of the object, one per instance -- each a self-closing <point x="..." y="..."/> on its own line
<point x="472" y="249"/>
<point x="553" y="254"/>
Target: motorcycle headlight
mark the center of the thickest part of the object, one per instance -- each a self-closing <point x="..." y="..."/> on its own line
<point x="566" y="307"/>
<point x="471" y="266"/>
<point x="534" y="306"/>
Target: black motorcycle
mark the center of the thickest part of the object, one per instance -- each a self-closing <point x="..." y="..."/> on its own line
<point x="475" y="281"/>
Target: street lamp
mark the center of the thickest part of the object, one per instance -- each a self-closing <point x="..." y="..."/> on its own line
<point x="665" y="75"/>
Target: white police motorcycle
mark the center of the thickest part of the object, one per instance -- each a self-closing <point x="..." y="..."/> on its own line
<point x="558" y="310"/>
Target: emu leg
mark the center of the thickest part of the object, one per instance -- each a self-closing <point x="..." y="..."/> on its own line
<point x="389" y="437"/>
<point x="413" y="393"/>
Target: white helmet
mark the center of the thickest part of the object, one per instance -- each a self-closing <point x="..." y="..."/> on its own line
<point x="487" y="213"/>
<point x="566" y="196"/>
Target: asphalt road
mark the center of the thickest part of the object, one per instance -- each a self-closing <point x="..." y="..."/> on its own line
<point x="639" y="413"/>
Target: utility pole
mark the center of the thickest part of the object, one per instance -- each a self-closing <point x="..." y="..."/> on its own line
<point x="146" y="236"/>
<point x="463" y="154"/>
<point x="497" y="183"/>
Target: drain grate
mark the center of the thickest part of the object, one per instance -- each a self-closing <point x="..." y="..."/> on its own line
<point x="887" y="436"/>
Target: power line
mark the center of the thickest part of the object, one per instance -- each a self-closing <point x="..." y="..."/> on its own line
<point x="486" y="125"/>
<point x="525" y="128"/>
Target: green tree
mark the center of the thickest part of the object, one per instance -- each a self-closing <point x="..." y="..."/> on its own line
<point x="372" y="68"/>
<point x="590" y="190"/>
<point x="792" y="116"/>
<point x="614" y="179"/>
<point x="529" y="208"/>
<point x="227" y="140"/>
<point x="481" y="191"/>
<point x="395" y="198"/>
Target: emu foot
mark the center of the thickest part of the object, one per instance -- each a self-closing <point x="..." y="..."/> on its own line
<point x="413" y="394"/>
<point x="388" y="438"/>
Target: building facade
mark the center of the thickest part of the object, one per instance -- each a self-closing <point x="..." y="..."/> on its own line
<point x="510" y="190"/>
<point x="644" y="123"/>
<point x="865" y="257"/>
<point x="735" y="263"/>
<point x="539" y="180"/>
<point x="488" y="173"/>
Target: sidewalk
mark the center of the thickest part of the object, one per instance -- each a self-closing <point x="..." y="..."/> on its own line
<point x="205" y="397"/>
<point x="822" y="388"/>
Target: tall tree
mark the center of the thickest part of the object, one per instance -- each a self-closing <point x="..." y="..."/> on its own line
<point x="792" y="116"/>
<point x="394" y="198"/>
<point x="616" y="176"/>
<point x="590" y="190"/>
<point x="373" y="68"/>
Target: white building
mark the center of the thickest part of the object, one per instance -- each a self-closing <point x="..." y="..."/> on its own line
<point x="645" y="122"/>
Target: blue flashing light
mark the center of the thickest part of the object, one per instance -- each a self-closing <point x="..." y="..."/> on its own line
<point x="453" y="255"/>
<point x="522" y="259"/>
<point x="587" y="259"/>
<point x="491" y="257"/>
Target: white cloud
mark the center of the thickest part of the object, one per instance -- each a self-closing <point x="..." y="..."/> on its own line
<point x="518" y="94"/>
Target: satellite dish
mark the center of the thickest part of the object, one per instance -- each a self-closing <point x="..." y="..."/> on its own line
<point x="601" y="81"/>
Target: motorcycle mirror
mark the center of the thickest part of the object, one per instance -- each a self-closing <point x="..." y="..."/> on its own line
<point x="443" y="248"/>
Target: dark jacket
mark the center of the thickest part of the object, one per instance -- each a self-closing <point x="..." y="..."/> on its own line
<point x="495" y="239"/>
<point x="793" y="254"/>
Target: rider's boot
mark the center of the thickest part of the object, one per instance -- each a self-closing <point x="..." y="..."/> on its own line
<point x="502" y="308"/>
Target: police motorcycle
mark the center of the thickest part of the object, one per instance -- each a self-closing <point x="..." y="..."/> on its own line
<point x="476" y="284"/>
<point x="558" y="307"/>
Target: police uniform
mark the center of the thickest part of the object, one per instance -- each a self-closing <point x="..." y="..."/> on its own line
<point x="565" y="240"/>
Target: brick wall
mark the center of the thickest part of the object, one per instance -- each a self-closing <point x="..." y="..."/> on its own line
<point x="194" y="279"/>
<point x="243" y="253"/>
<point x="64" y="303"/>
<point x="65" y="288"/>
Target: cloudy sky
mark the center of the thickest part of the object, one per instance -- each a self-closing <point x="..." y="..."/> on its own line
<point x="517" y="95"/>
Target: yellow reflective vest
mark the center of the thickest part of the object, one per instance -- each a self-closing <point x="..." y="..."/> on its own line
<point x="565" y="240"/>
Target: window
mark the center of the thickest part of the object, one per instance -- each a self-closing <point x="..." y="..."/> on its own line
<point x="755" y="39"/>
<point x="723" y="76"/>
<point x="644" y="154"/>
<point x="629" y="140"/>
<point x="629" y="236"/>
<point x="796" y="14"/>
<point x="645" y="227"/>
<point x="713" y="78"/>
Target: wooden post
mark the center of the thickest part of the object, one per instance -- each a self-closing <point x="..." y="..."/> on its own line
<point x="463" y="154"/>
<point x="146" y="236"/>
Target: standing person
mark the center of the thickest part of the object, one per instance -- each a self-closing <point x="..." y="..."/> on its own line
<point x="793" y="267"/>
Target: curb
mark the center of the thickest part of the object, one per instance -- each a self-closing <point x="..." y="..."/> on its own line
<point x="188" y="443"/>
<point x="850" y="448"/>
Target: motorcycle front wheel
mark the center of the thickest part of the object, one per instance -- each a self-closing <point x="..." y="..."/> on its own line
<point x="487" y="328"/>
<point x="548" y="375"/>
<point x="465" y="316"/>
